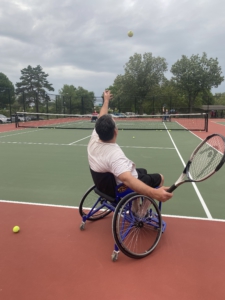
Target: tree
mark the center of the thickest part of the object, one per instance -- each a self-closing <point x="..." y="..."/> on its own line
<point x="142" y="75"/>
<point x="196" y="75"/>
<point x="219" y="99"/>
<point x="6" y="91"/>
<point x="33" y="85"/>
<point x="76" y="100"/>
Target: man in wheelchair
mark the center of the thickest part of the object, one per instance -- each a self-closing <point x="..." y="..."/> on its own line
<point x="106" y="156"/>
<point x="121" y="188"/>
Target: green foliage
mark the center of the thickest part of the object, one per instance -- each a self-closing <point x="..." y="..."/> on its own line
<point x="76" y="100"/>
<point x="142" y="75"/>
<point x="196" y="75"/>
<point x="219" y="99"/>
<point x="6" y="91"/>
<point x="32" y="87"/>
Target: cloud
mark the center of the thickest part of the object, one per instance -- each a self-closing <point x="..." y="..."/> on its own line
<point x="85" y="42"/>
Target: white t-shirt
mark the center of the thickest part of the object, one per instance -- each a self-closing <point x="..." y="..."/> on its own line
<point x="108" y="157"/>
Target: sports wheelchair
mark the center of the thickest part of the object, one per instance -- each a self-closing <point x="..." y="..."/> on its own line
<point x="137" y="224"/>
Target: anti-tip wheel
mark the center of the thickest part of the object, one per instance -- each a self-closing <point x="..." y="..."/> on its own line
<point x="82" y="226"/>
<point x="115" y="256"/>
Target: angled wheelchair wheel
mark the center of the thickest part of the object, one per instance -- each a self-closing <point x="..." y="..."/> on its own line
<point x="88" y="201"/>
<point x="137" y="225"/>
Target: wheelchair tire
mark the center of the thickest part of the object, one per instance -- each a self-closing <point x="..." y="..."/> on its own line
<point x="88" y="201"/>
<point x="137" y="234"/>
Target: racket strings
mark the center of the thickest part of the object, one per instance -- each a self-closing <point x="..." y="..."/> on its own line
<point x="207" y="158"/>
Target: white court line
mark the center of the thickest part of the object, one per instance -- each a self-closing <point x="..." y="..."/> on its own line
<point x="20" y="133"/>
<point x="218" y="122"/>
<point x="77" y="207"/>
<point x="58" y="125"/>
<point x="145" y="147"/>
<point x="208" y="214"/>
<point x="83" y="145"/>
<point x="80" y="140"/>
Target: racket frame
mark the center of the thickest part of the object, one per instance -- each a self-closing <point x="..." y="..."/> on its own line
<point x="186" y="174"/>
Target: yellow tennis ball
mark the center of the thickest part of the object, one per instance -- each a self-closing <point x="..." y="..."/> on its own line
<point x="16" y="229"/>
<point x="133" y="137"/>
<point x="130" y="33"/>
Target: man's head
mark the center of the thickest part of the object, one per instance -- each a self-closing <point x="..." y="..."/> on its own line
<point x="105" y="128"/>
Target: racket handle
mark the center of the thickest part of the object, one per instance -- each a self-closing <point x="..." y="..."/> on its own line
<point x="172" y="188"/>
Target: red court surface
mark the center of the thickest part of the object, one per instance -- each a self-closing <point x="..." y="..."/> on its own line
<point x="8" y="127"/>
<point x="51" y="259"/>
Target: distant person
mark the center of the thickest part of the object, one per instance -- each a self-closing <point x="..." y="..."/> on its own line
<point x="94" y="116"/>
<point x="166" y="115"/>
<point x="216" y="114"/>
<point x="212" y="113"/>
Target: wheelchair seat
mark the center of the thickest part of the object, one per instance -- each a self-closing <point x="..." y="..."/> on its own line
<point x="105" y="186"/>
<point x="105" y="183"/>
<point x="136" y="234"/>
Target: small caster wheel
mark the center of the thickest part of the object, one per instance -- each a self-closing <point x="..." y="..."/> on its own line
<point x="115" y="256"/>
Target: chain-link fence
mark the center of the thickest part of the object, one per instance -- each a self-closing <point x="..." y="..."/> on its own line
<point x="66" y="104"/>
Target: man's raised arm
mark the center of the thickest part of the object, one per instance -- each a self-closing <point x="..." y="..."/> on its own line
<point x="105" y="107"/>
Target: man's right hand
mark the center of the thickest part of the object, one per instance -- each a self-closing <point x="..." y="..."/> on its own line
<point x="161" y="194"/>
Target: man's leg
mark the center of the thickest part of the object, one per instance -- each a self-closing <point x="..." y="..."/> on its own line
<point x="153" y="180"/>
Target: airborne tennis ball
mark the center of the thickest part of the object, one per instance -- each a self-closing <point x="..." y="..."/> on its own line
<point x="130" y="33"/>
<point x="133" y="137"/>
<point x="16" y="229"/>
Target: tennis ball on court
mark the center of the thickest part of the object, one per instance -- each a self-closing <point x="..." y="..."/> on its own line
<point x="133" y="137"/>
<point x="16" y="229"/>
<point x="130" y="33"/>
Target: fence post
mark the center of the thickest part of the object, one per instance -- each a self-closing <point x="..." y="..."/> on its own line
<point x="82" y="105"/>
<point x="56" y="97"/>
<point x="9" y="103"/>
<point x="24" y="105"/>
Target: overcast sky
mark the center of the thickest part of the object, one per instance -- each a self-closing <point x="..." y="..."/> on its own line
<point x="85" y="42"/>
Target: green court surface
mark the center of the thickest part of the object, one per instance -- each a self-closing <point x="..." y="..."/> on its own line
<point x="50" y="166"/>
<point x="222" y="123"/>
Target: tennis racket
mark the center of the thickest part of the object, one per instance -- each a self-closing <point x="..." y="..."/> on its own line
<point x="205" y="160"/>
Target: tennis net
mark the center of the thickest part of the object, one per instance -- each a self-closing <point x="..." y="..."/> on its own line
<point x="191" y="122"/>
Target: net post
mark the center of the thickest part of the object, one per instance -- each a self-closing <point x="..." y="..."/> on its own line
<point x="206" y="122"/>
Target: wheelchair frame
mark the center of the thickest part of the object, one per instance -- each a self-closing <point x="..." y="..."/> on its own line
<point x="135" y="234"/>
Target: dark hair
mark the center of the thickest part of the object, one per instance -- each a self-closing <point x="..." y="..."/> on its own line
<point x="105" y="127"/>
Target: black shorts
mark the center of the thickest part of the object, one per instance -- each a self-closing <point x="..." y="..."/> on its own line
<point x="153" y="180"/>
